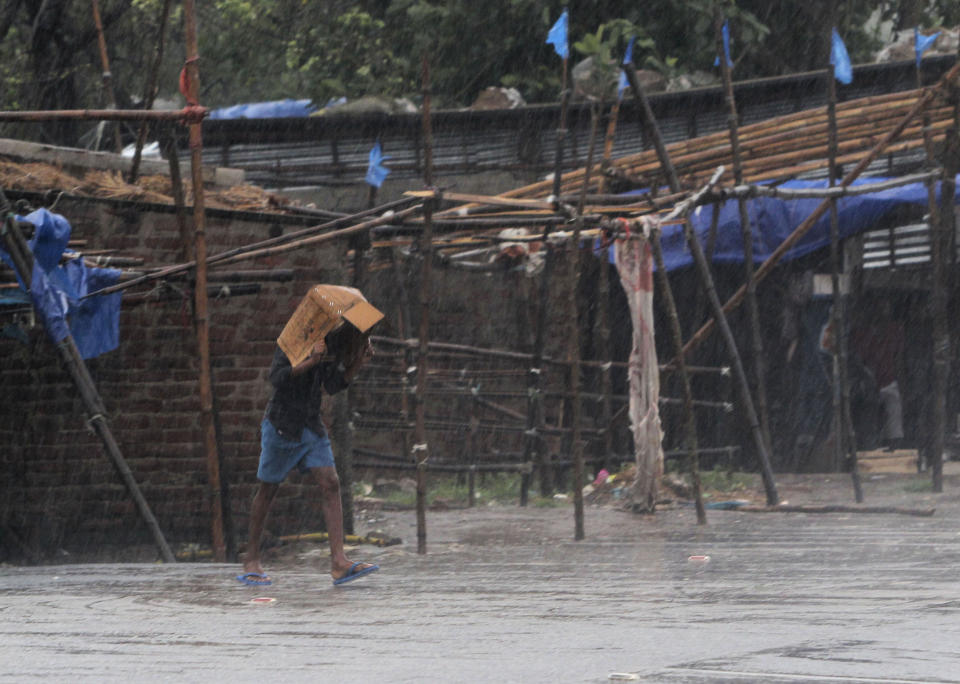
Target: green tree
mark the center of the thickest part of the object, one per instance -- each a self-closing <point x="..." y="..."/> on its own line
<point x="255" y="50"/>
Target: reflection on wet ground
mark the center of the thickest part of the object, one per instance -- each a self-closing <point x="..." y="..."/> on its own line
<point x="505" y="596"/>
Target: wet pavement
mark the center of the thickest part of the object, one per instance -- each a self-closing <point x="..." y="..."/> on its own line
<point x="505" y="595"/>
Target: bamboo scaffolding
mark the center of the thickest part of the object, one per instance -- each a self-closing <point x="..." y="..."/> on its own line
<point x="804" y="227"/>
<point x="707" y="279"/>
<point x="22" y="257"/>
<point x="700" y="155"/>
<point x="523" y="357"/>
<point x="276" y="245"/>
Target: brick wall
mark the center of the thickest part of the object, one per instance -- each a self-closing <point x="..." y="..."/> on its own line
<point x="58" y="489"/>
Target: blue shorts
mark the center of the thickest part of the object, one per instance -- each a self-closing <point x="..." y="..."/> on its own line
<point x="279" y="455"/>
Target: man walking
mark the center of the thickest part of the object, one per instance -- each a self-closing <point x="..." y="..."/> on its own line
<point x="292" y="435"/>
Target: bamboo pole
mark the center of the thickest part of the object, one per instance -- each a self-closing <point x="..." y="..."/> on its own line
<point x="833" y="192"/>
<point x="819" y="211"/>
<point x="426" y="250"/>
<point x="107" y="76"/>
<point x="22" y="257"/>
<point x="746" y="235"/>
<point x="603" y="291"/>
<point x="791" y="130"/>
<point x="527" y="358"/>
<point x="534" y="445"/>
<point x="940" y="244"/>
<point x="278" y="245"/>
<point x="573" y="339"/>
<point x="707" y="278"/>
<point x="188" y="115"/>
<point x="150" y="91"/>
<point x="844" y="437"/>
<point x="691" y="443"/>
<point x="404" y="325"/>
<point x="179" y="202"/>
<point x="201" y="315"/>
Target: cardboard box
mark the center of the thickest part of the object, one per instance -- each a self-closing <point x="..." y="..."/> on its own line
<point x="324" y="309"/>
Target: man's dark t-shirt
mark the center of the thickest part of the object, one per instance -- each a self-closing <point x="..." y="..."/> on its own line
<point x="295" y="402"/>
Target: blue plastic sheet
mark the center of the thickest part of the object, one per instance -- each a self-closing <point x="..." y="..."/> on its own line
<point x="772" y="220"/>
<point x="56" y="290"/>
<point x="274" y="109"/>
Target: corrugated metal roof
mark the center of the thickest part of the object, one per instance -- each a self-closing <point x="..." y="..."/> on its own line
<point x="332" y="150"/>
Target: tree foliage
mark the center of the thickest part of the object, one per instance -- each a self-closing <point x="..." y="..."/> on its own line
<point x="270" y="49"/>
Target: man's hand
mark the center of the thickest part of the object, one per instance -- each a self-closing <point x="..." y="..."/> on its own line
<point x="313" y="358"/>
<point x="319" y="349"/>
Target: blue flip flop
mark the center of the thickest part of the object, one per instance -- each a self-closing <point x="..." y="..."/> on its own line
<point x="353" y="573"/>
<point x="250" y="579"/>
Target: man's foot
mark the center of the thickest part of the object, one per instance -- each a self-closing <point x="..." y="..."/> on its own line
<point x="254" y="575"/>
<point x="255" y="579"/>
<point x="353" y="571"/>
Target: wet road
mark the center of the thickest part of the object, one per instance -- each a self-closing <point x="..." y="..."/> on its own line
<point x="505" y="596"/>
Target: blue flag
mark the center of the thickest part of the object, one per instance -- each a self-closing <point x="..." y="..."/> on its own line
<point x="726" y="45"/>
<point x="627" y="59"/>
<point x="376" y="171"/>
<point x="558" y="36"/>
<point x="922" y="43"/>
<point x="842" y="69"/>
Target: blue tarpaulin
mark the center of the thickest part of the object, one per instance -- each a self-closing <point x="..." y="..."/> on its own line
<point x="56" y="290"/>
<point x="772" y="220"/>
<point x="266" y="110"/>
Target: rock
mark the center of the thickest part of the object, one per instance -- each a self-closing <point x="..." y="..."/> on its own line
<point x="498" y="98"/>
<point x="695" y="79"/>
<point x="592" y="82"/>
<point x="370" y="104"/>
<point x="903" y="49"/>
<point x="651" y="81"/>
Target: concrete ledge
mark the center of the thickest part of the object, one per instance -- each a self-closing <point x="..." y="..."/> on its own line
<point x="108" y="161"/>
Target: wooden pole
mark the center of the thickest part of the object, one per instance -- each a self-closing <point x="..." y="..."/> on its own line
<point x="561" y="132"/>
<point x="746" y="235"/>
<point x="691" y="443"/>
<point x="606" y="353"/>
<point x="16" y="245"/>
<point x="707" y="278"/>
<point x="573" y="338"/>
<point x="420" y="447"/>
<point x="939" y="254"/>
<point x="188" y="115"/>
<point x="534" y="446"/>
<point x="404" y="325"/>
<point x="473" y="447"/>
<point x="767" y="266"/>
<point x="150" y="91"/>
<point x="201" y="314"/>
<point x="179" y="202"/>
<point x="107" y="76"/>
<point x="846" y="441"/>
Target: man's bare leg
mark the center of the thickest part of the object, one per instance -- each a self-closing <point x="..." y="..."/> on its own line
<point x="258" y="516"/>
<point x="329" y="485"/>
